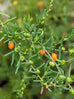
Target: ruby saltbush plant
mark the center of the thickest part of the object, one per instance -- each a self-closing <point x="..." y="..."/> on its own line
<point x="33" y="58"/>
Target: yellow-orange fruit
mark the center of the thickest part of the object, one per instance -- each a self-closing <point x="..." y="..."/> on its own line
<point x="11" y="45"/>
<point x="15" y="3"/>
<point x="40" y="4"/>
<point x="54" y="56"/>
<point x="42" y="52"/>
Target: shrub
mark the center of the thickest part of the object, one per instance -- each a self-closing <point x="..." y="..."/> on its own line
<point x="33" y="55"/>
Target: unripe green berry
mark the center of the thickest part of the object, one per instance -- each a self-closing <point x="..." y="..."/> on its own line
<point x="65" y="39"/>
<point x="42" y="22"/>
<point x="38" y="71"/>
<point x="5" y="35"/>
<point x="19" y="37"/>
<point x="71" y="91"/>
<point x="27" y="50"/>
<point x="1" y="32"/>
<point x="51" y="83"/>
<point x="22" y="58"/>
<point x="62" y="77"/>
<point x="24" y="53"/>
<point x="31" y="62"/>
<point x="22" y="88"/>
<point x="45" y="84"/>
<point x="63" y="48"/>
<point x="63" y="62"/>
<point x="51" y="63"/>
<point x="43" y="18"/>
<point x="27" y="34"/>
<point x="17" y="48"/>
<point x="22" y="80"/>
<point x="69" y="80"/>
<point x="71" y="51"/>
<point x="16" y="35"/>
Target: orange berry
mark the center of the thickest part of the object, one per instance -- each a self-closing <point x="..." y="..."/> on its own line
<point x="15" y="3"/>
<point x="40" y="4"/>
<point x="11" y="45"/>
<point x="42" y="52"/>
<point x="54" y="56"/>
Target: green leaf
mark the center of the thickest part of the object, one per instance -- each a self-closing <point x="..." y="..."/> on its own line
<point x="72" y="31"/>
<point x="4" y="14"/>
<point x="46" y="42"/>
<point x="9" y="53"/>
<point x="10" y="20"/>
<point x="18" y="65"/>
<point x="1" y="39"/>
<point x="59" y="52"/>
<point x="42" y="90"/>
<point x="41" y="66"/>
<point x="69" y="73"/>
<point x="12" y="61"/>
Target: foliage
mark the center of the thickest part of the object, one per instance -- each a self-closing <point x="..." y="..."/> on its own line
<point x="30" y="35"/>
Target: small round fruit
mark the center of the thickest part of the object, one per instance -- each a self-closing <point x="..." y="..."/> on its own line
<point x="69" y="80"/>
<point x="42" y="22"/>
<point x="22" y="80"/>
<point x="40" y="4"/>
<point x="42" y="52"/>
<point x="63" y="62"/>
<point x="15" y="3"/>
<point x="11" y="45"/>
<point x="62" y="77"/>
<point x="43" y="18"/>
<point x="63" y="48"/>
<point x="71" y="51"/>
<point x="22" y="58"/>
<point x="51" y="63"/>
<point x="54" y="56"/>
<point x="65" y="39"/>
<point x="27" y="34"/>
<point x="22" y="88"/>
<point x="71" y="91"/>
<point x="38" y="71"/>
<point x="31" y="62"/>
<point x="1" y="32"/>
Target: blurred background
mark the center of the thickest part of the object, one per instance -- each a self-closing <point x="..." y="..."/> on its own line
<point x="60" y="21"/>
